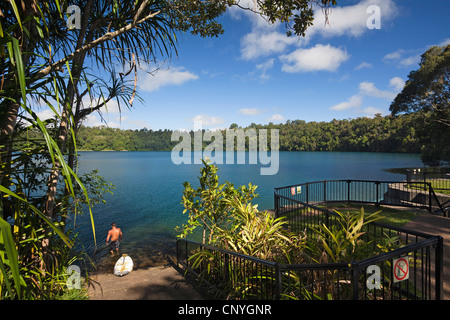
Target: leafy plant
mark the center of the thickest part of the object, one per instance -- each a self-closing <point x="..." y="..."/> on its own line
<point x="260" y="234"/>
<point x="208" y="206"/>
<point x="245" y="230"/>
<point x="342" y="241"/>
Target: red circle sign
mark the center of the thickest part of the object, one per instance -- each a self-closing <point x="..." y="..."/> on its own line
<point x="401" y="269"/>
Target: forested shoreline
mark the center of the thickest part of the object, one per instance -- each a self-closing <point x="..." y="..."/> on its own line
<point x="378" y="134"/>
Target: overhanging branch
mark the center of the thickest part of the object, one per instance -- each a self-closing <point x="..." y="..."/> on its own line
<point x="107" y="36"/>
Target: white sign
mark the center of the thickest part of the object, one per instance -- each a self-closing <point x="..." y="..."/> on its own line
<point x="401" y="269"/>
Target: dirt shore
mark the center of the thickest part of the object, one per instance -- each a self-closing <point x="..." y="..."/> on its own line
<point x="154" y="283"/>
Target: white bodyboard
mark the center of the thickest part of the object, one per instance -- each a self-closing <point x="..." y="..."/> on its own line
<point x="123" y="266"/>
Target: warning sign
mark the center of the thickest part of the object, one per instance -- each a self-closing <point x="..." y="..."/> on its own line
<point x="401" y="269"/>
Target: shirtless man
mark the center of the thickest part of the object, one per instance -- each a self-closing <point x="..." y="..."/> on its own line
<point x="115" y="235"/>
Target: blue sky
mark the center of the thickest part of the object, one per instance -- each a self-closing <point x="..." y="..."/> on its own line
<point x="254" y="73"/>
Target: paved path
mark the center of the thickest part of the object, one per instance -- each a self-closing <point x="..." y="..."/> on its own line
<point x="155" y="283"/>
<point x="437" y="226"/>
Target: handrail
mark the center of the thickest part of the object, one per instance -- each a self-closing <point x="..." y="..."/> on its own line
<point x="432" y="193"/>
<point x="396" y="228"/>
<point x="367" y="191"/>
<point x="276" y="275"/>
<point x="241" y="255"/>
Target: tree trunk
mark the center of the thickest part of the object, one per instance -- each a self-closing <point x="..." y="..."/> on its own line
<point x="76" y="71"/>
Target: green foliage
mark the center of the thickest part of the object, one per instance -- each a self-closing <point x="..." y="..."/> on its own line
<point x="342" y="242"/>
<point x="234" y="224"/>
<point x="380" y="134"/>
<point x="96" y="187"/>
<point x="112" y="139"/>
<point x="209" y="205"/>
<point x="200" y="17"/>
<point x="427" y="94"/>
<point x="41" y="60"/>
<point x="259" y="234"/>
<point x="9" y="258"/>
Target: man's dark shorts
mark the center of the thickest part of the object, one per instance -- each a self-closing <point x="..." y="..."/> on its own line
<point x="114" y="245"/>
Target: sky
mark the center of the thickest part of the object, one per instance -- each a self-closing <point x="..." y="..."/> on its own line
<point x="354" y="66"/>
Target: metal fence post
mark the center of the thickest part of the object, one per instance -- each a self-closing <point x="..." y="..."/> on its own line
<point x="355" y="275"/>
<point x="377" y="184"/>
<point x="226" y="271"/>
<point x="348" y="191"/>
<point x="307" y="192"/>
<point x="439" y="261"/>
<point x="275" y="196"/>
<point x="277" y="282"/>
<point x="429" y="197"/>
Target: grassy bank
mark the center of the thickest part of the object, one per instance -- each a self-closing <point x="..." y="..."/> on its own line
<point x="392" y="216"/>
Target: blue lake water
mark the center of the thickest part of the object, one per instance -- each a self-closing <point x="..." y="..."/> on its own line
<point x="146" y="203"/>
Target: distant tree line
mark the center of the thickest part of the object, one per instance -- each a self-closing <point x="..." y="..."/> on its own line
<point x="378" y="134"/>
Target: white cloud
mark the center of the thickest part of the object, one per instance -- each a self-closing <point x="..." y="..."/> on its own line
<point x="266" y="39"/>
<point x="318" y="58"/>
<point x="172" y="76"/>
<point x="250" y="111"/>
<point x="444" y="43"/>
<point x="411" y="60"/>
<point x="207" y="120"/>
<point x="237" y="12"/>
<point x="396" y="55"/>
<point x="277" y="118"/>
<point x="354" y="102"/>
<point x="259" y="43"/>
<point x="402" y="58"/>
<point x="368" y="89"/>
<point x="371" y="111"/>
<point x="112" y="107"/>
<point x="363" y="65"/>
<point x="397" y="83"/>
<point x="264" y="67"/>
<point x="351" y="20"/>
<point x="45" y="114"/>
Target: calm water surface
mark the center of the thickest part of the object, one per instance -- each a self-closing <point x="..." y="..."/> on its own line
<point x="146" y="201"/>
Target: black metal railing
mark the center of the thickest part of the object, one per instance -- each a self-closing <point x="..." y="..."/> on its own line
<point x="420" y="195"/>
<point x="380" y="276"/>
<point x="424" y="252"/>
<point x="236" y="276"/>
<point x="439" y="177"/>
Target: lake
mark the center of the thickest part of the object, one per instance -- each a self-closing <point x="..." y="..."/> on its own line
<point x="146" y="203"/>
